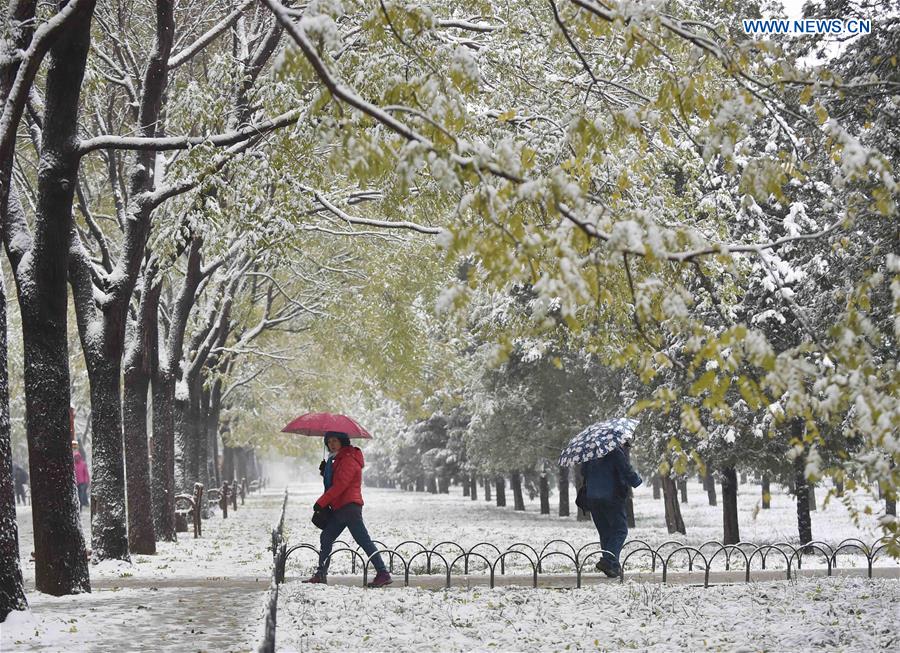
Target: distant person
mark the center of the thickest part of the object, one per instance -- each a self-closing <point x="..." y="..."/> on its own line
<point x="608" y="481"/>
<point x="82" y="477"/>
<point x="342" y="475"/>
<point x="20" y="480"/>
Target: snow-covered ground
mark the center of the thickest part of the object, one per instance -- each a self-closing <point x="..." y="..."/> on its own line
<point x="393" y="517"/>
<point x="208" y="594"/>
<point x="834" y="614"/>
<point x="195" y="594"/>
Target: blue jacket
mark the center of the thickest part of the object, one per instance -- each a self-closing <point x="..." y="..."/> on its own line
<point x="610" y="477"/>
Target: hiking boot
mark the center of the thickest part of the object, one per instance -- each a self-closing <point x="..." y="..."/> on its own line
<point x="316" y="579"/>
<point x="606" y="567"/>
<point x="381" y="579"/>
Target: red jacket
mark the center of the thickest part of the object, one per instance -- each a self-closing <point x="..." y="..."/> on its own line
<point x="81" y="470"/>
<point x="346" y="485"/>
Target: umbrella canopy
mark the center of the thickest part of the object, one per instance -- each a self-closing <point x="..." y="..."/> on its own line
<point x="598" y="440"/>
<point x="317" y="424"/>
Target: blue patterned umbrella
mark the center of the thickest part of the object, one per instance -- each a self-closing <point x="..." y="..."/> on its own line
<point x="598" y="440"/>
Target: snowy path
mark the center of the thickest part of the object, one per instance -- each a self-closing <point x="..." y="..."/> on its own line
<point x="199" y="595"/>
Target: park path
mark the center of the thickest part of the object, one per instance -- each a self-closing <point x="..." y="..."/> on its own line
<point x="202" y="594"/>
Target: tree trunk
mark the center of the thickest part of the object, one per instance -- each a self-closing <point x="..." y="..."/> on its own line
<point x="674" y="522"/>
<point x="184" y="443"/>
<point x="801" y="491"/>
<point x="163" y="471"/>
<point x="12" y="589"/>
<point x="682" y="487"/>
<point x="709" y="484"/>
<point x="629" y="509"/>
<point x="443" y="485"/>
<point x="657" y="485"/>
<point x="473" y="488"/>
<point x="766" y="492"/>
<point x="545" y="495"/>
<point x="580" y="515"/>
<point x="811" y="491"/>
<point x="890" y="496"/>
<point x="465" y="486"/>
<point x="201" y="417"/>
<point x="432" y="484"/>
<point x="563" y="487"/>
<point x="732" y="533"/>
<point x="420" y="483"/>
<point x="487" y="489"/>
<point x="501" y="491"/>
<point x="212" y="430"/>
<point x="60" y="561"/>
<point x="518" y="499"/>
<point x="141" y="535"/>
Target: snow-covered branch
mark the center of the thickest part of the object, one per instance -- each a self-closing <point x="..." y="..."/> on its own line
<point x="208" y="37"/>
<point x="112" y="142"/>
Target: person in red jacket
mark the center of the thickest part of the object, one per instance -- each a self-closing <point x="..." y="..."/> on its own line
<point x="343" y="494"/>
<point x="82" y="476"/>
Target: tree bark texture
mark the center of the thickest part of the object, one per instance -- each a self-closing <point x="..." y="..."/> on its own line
<point x="473" y="488"/>
<point x="732" y="533"/>
<point x="518" y="498"/>
<point x="709" y="484"/>
<point x="141" y="534"/>
<point x="801" y="492"/>
<point x="12" y="588"/>
<point x="163" y="476"/>
<point x="766" y="492"/>
<point x="545" y="495"/>
<point x="563" y="487"/>
<point x="657" y="485"/>
<point x="487" y="489"/>
<point x="500" y="483"/>
<point x="674" y="522"/>
<point x="60" y="560"/>
<point x="682" y="489"/>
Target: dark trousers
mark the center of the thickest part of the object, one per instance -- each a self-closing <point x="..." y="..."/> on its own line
<point x="20" y="494"/>
<point x="83" y="494"/>
<point x="612" y="526"/>
<point x="349" y="517"/>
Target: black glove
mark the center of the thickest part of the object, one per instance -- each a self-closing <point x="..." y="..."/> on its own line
<point x="316" y="507"/>
<point x="322" y="468"/>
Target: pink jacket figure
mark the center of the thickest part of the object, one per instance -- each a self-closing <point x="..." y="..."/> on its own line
<point x="81" y="470"/>
<point x="82" y="479"/>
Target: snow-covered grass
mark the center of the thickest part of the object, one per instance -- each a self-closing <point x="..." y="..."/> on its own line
<point x="853" y="614"/>
<point x="848" y="614"/>
<point x="393" y="516"/>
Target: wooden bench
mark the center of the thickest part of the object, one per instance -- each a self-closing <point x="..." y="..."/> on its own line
<point x="186" y="507"/>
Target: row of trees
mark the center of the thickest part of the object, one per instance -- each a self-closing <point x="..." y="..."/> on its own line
<point x="147" y="167"/>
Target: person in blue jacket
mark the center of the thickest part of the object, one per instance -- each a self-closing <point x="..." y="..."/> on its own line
<point x="607" y="482"/>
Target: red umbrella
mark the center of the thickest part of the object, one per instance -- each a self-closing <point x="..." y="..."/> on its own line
<point x="316" y="425"/>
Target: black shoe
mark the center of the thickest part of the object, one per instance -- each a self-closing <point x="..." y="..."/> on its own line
<point x="605" y="566"/>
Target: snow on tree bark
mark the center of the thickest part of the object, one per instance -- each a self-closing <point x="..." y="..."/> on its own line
<point x="674" y="521"/>
<point x="732" y="533"/>
<point x="40" y="273"/>
<point x="141" y="533"/>
<point x="12" y="589"/>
